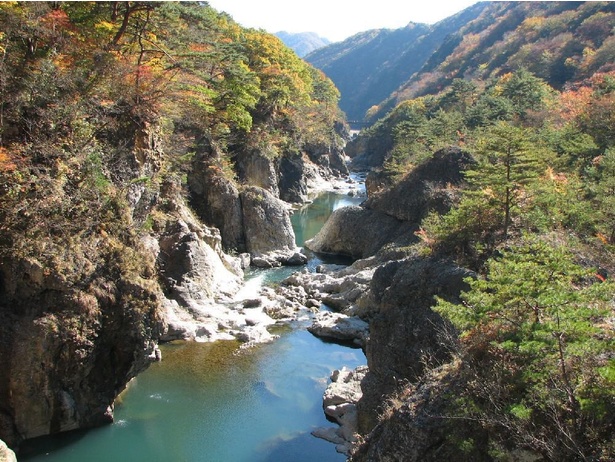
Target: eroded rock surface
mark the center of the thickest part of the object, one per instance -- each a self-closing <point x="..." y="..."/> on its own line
<point x="339" y="403"/>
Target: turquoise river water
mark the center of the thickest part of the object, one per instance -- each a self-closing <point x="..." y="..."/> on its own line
<point x="214" y="402"/>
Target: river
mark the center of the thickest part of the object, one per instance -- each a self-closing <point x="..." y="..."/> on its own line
<point x="215" y="402"/>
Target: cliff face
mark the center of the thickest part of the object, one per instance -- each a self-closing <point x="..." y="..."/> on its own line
<point x="394" y="215"/>
<point x="405" y="334"/>
<point x="79" y="317"/>
<point x="103" y="146"/>
<point x="78" y="322"/>
<point x="415" y="431"/>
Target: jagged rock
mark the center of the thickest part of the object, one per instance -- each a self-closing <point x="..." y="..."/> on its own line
<point x="192" y="269"/>
<point x="339" y="403"/>
<point x="405" y="332"/>
<point x="339" y="326"/>
<point x="329" y="157"/>
<point x="270" y="238"/>
<point x="6" y="454"/>
<point x="257" y="169"/>
<point x="295" y="171"/>
<point x="68" y="351"/>
<point x="215" y="199"/>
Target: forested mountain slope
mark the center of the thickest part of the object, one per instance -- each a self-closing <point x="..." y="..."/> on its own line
<point x="561" y="42"/>
<point x="519" y="363"/>
<point x="369" y="66"/>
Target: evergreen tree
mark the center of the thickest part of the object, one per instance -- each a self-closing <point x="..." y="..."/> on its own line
<point x="535" y="338"/>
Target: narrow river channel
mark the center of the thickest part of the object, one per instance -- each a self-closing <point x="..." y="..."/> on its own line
<point x="213" y="402"/>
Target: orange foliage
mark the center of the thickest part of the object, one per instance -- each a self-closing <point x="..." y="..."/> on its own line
<point x="6" y="161"/>
<point x="574" y="102"/>
<point x="199" y="47"/>
<point x="57" y="20"/>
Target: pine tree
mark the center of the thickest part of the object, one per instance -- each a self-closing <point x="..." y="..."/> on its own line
<point x="535" y="338"/>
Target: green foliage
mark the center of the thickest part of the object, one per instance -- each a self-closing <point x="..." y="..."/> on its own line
<point x="603" y="191"/>
<point x="538" y="319"/>
<point x="496" y="197"/>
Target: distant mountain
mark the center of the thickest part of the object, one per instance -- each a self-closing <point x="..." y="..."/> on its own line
<point x="369" y="66"/>
<point x="560" y="42"/>
<point x="302" y="43"/>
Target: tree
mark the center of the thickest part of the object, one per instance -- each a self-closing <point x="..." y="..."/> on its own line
<point x="603" y="173"/>
<point x="534" y="335"/>
<point x="507" y="162"/>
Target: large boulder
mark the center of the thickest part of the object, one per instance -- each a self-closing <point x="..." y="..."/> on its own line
<point x="193" y="267"/>
<point x="270" y="238"/>
<point x="356" y="232"/>
<point x="405" y="333"/>
<point x="6" y="454"/>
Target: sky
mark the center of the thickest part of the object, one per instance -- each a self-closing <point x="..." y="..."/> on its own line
<point x="336" y="20"/>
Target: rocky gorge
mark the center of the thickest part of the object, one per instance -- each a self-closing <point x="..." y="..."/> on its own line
<point x="200" y="296"/>
<point x="383" y="300"/>
<point x="187" y="289"/>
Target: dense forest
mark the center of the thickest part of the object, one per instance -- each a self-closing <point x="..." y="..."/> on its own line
<point x="533" y="348"/>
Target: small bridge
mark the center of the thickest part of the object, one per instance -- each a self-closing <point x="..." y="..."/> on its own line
<point x="357" y="124"/>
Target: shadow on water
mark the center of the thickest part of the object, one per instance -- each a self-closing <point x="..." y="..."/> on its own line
<point x="293" y="448"/>
<point x="46" y="444"/>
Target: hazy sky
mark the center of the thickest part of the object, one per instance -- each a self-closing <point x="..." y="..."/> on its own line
<point x="336" y="19"/>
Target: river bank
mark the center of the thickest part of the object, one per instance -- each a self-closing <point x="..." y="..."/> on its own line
<point x="219" y="400"/>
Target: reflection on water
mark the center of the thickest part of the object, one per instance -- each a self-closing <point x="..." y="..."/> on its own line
<point x="216" y="402"/>
<point x="308" y="220"/>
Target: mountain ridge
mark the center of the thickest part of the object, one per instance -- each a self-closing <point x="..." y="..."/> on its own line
<point x="302" y="43"/>
<point x="370" y="65"/>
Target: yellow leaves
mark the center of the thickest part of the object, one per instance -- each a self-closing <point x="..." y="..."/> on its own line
<point x="488" y="192"/>
<point x="104" y="26"/>
<point x="534" y="23"/>
<point x="559" y="180"/>
<point x="7" y="163"/>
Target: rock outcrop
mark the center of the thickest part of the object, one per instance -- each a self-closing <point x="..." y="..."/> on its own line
<point x="270" y="238"/>
<point x="356" y="232"/>
<point x="215" y="199"/>
<point x="406" y="335"/>
<point x="415" y="431"/>
<point x="396" y="285"/>
<point x="6" y="454"/>
<point x="81" y="309"/>
<point x="339" y="403"/>
<point x="394" y="215"/>
<point x="69" y="348"/>
<point x="431" y="187"/>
